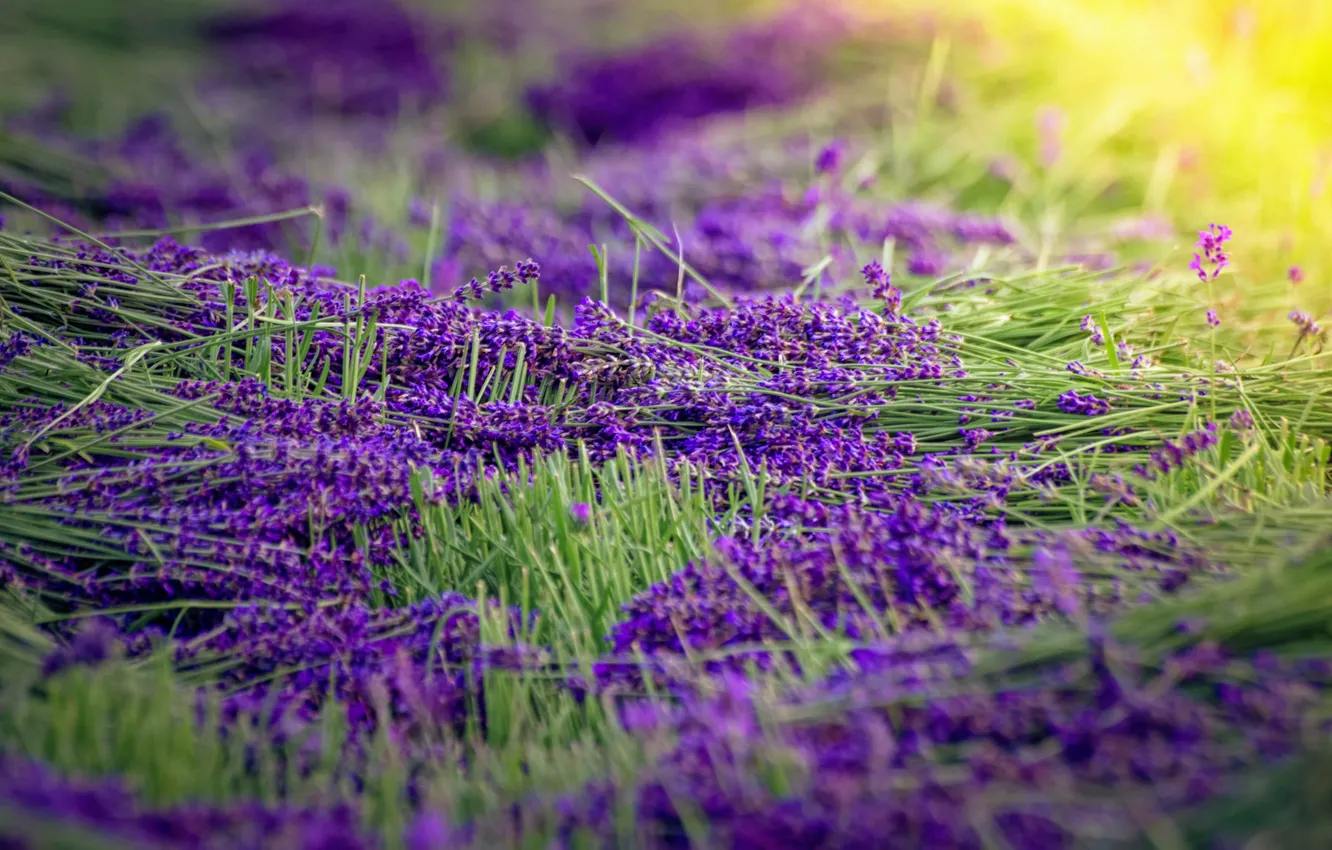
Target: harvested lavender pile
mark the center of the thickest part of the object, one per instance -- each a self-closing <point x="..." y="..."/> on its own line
<point x="713" y="473"/>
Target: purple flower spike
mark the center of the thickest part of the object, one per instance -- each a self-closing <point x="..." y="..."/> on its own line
<point x="1305" y="323"/>
<point x="830" y="157"/>
<point x="1055" y="578"/>
<point x="342" y="57"/>
<point x="973" y="437"/>
<point x="881" y="282"/>
<point x="1090" y="326"/>
<point x="498" y="281"/>
<point x="17" y="345"/>
<point x="1085" y="405"/>
<point x="95" y="642"/>
<point x="1212" y="258"/>
<point x="1171" y="455"/>
<point x="581" y="512"/>
<point x="428" y="831"/>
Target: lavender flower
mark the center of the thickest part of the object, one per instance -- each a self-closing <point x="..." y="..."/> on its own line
<point x="682" y="77"/>
<point x="1172" y="455"/>
<point x="1089" y="325"/>
<point x="499" y="280"/>
<point x="744" y="217"/>
<point x="829" y="158"/>
<point x="95" y="642"/>
<point x="15" y="346"/>
<point x="1083" y="405"/>
<point x="346" y="57"/>
<point x="105" y="812"/>
<point x="1212" y="259"/>
<point x="1305" y="324"/>
<point x="1056" y="579"/>
<point x="1050" y="129"/>
<point x="418" y="213"/>
<point x="159" y="183"/>
<point x="581" y="512"/>
<point x="973" y="437"/>
<point x="1114" y="487"/>
<point x="909" y="758"/>
<point x="905" y="443"/>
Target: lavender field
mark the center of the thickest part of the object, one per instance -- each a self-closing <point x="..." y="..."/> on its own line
<point x="590" y="423"/>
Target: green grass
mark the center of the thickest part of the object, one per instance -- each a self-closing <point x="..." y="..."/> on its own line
<point x="519" y="541"/>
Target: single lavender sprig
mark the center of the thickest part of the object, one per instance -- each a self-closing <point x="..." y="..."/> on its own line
<point x="1305" y="323"/>
<point x="880" y="282"/>
<point x="830" y="157"/>
<point x="1090" y="326"/>
<point x="1208" y="264"/>
<point x="1241" y="420"/>
<point x="1212" y="259"/>
<point x="499" y="280"/>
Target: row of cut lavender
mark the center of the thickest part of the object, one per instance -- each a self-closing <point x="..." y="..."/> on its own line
<point x="894" y="753"/>
<point x="224" y="490"/>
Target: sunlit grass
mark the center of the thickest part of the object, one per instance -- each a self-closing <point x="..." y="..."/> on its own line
<point x="1202" y="109"/>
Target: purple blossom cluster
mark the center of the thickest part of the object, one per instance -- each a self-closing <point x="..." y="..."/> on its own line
<point x="896" y="749"/>
<point x="157" y="182"/>
<point x="1211" y="258"/>
<point x="1084" y="405"/>
<point x="632" y="96"/>
<point x="267" y="512"/>
<point x="888" y="746"/>
<point x="16" y="345"/>
<point x="743" y="219"/>
<point x="499" y="280"/>
<point x="415" y="671"/>
<point x="867" y="575"/>
<point x="1090" y="325"/>
<point x="372" y="58"/>
<point x="909" y="565"/>
<point x="1306" y="325"/>
<point x="34" y="801"/>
